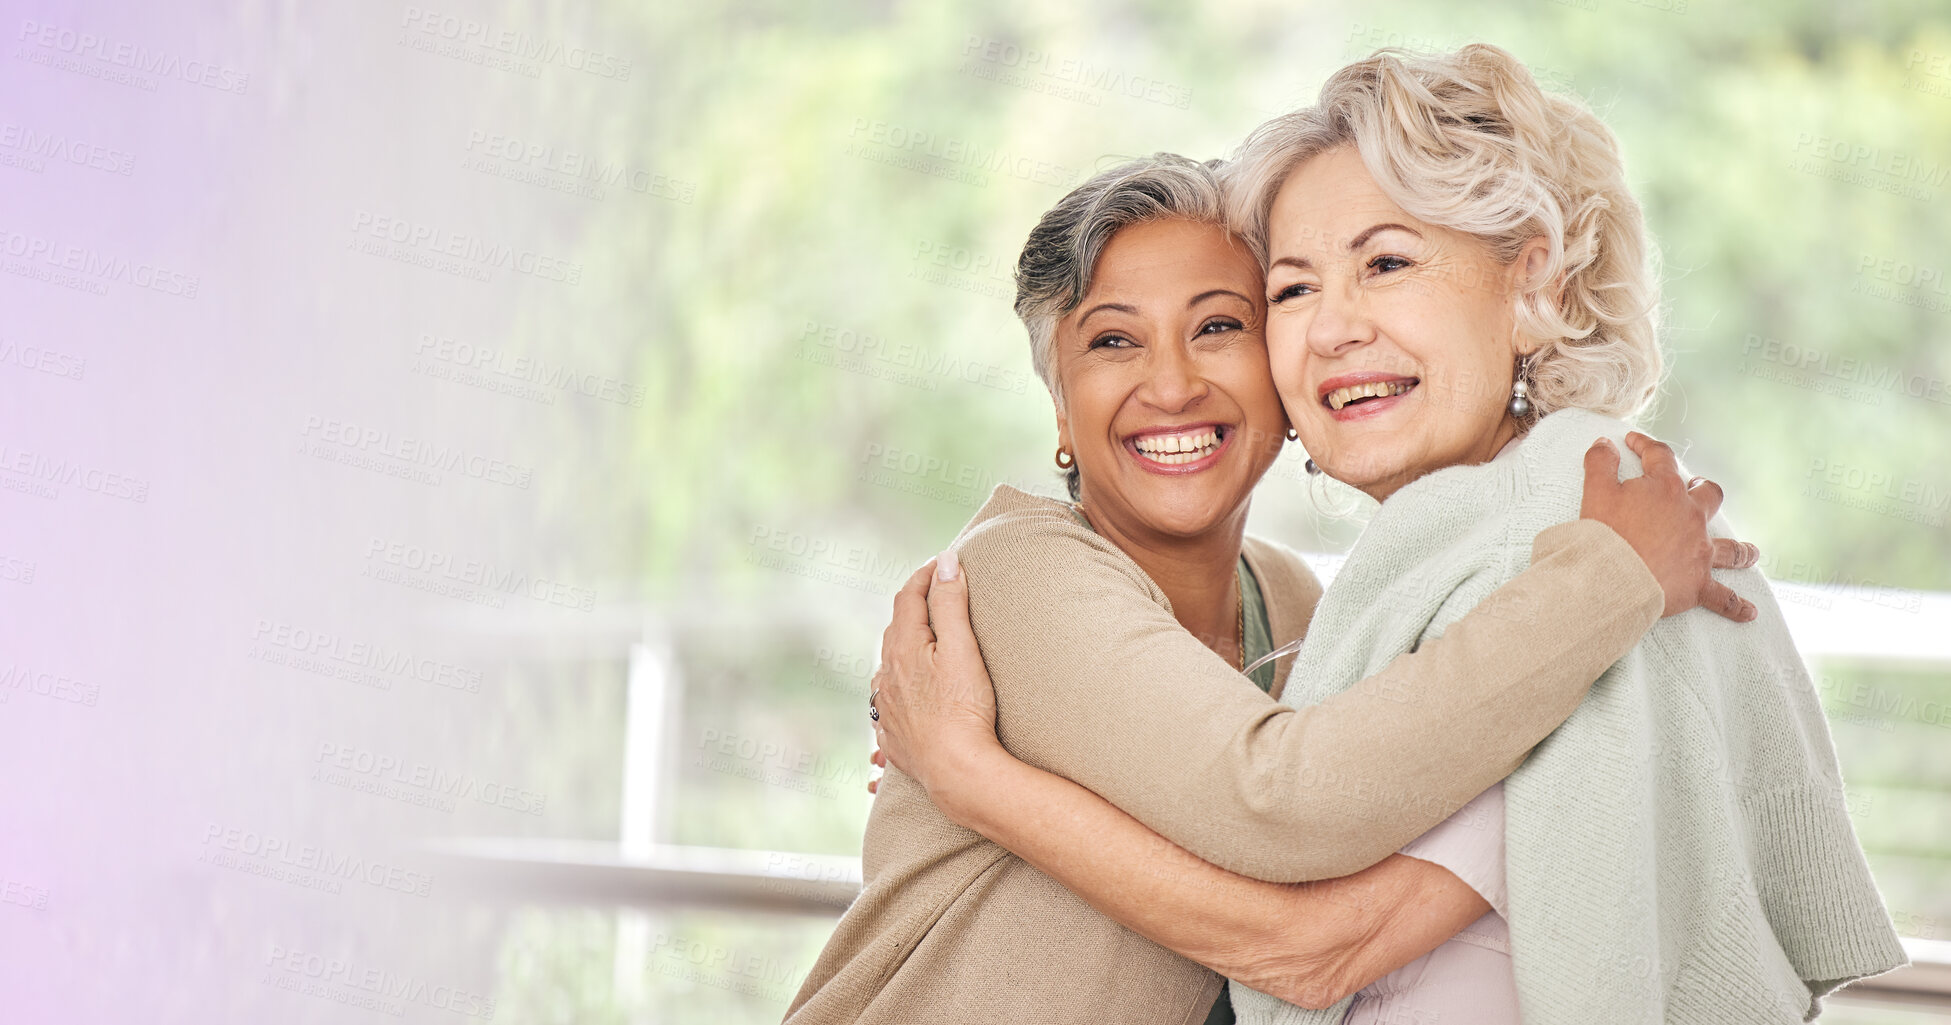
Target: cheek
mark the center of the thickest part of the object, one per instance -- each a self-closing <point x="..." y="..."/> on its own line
<point x="1090" y="397"/>
<point x="1287" y="353"/>
<point x="1482" y="382"/>
<point x="1464" y="364"/>
<point x="1483" y="359"/>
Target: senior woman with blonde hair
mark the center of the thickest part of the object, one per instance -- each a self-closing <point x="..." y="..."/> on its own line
<point x="1459" y="305"/>
<point x="1117" y="628"/>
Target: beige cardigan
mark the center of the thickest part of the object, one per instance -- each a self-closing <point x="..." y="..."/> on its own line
<point x="1095" y="680"/>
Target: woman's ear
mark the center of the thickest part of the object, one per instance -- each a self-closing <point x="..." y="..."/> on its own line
<point x="1530" y="267"/>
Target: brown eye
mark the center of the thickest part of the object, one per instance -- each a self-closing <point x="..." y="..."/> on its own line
<point x="1388" y="263"/>
<point x="1290" y="292"/>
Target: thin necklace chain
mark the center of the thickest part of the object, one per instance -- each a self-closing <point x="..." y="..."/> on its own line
<point x="1240" y="579"/>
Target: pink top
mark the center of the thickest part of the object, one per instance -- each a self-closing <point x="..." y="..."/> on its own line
<point x="1468" y="980"/>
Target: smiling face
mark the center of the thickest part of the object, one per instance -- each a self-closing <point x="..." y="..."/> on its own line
<point x="1168" y="404"/>
<point x="1392" y="339"/>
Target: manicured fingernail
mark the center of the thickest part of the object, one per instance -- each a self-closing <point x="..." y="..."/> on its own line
<point x="1607" y="442"/>
<point x="946" y="566"/>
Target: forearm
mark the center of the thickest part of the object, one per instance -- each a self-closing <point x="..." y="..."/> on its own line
<point x="1401" y="750"/>
<point x="1096" y="682"/>
<point x="1518" y="664"/>
<point x="1307" y="943"/>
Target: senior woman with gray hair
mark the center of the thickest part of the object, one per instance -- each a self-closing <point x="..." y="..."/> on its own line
<point x="1116" y="628"/>
<point x="1459" y="305"/>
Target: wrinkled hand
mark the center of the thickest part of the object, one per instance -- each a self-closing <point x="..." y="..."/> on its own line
<point x="937" y="706"/>
<point x="1664" y="519"/>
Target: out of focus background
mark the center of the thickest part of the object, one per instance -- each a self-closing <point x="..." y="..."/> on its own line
<point x="456" y="458"/>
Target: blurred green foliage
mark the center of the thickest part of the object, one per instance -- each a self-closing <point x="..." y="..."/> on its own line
<point x="836" y="378"/>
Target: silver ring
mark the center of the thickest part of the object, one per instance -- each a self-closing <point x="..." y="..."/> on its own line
<point x="872" y="712"/>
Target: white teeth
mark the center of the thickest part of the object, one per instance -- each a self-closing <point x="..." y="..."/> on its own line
<point x="1173" y="449"/>
<point x="1374" y="389"/>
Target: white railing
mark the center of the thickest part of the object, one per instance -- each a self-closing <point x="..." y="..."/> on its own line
<point x="637" y="873"/>
<point x="772" y="882"/>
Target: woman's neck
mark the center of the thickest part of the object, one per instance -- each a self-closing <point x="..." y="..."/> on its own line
<point x="1198" y="574"/>
<point x="1486" y="448"/>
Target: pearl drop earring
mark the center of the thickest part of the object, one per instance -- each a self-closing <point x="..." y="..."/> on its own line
<point x="1520" y="405"/>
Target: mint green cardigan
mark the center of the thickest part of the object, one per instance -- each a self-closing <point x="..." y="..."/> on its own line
<point x="1678" y="851"/>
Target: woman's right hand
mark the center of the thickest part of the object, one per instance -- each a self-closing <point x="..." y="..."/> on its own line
<point x="934" y="702"/>
<point x="1664" y="519"/>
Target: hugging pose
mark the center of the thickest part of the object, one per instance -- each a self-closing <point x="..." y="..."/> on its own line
<point x="1524" y="759"/>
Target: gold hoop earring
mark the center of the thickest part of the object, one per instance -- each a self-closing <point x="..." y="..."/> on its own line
<point x="1064" y="459"/>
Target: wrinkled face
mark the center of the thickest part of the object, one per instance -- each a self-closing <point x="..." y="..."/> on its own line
<point x="1168" y="403"/>
<point x="1392" y="340"/>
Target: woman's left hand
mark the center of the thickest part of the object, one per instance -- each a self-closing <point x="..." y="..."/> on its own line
<point x="935" y="702"/>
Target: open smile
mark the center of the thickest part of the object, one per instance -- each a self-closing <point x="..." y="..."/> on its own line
<point x="1177" y="450"/>
<point x="1356" y="396"/>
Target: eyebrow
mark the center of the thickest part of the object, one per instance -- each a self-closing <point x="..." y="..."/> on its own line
<point x="1303" y="263"/>
<point x="1120" y="307"/>
<point x="1203" y="296"/>
<point x="1362" y="239"/>
<point x="1190" y="303"/>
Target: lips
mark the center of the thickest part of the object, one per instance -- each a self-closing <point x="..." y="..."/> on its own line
<point x="1363" y="394"/>
<point x="1186" y="449"/>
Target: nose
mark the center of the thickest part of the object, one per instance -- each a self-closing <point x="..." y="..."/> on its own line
<point x="1174" y="381"/>
<point x="1340" y="322"/>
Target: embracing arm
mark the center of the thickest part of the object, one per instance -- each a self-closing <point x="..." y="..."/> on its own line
<point x="1307" y="943"/>
<point x="1105" y="688"/>
<point x="1101" y="685"/>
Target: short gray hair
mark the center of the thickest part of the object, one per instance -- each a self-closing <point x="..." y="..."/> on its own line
<point x="1054" y="272"/>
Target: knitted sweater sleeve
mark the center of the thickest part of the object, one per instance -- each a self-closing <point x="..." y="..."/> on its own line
<point x="1096" y="681"/>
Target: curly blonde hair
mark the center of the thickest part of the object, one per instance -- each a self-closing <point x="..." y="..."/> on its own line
<point x="1467" y="141"/>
